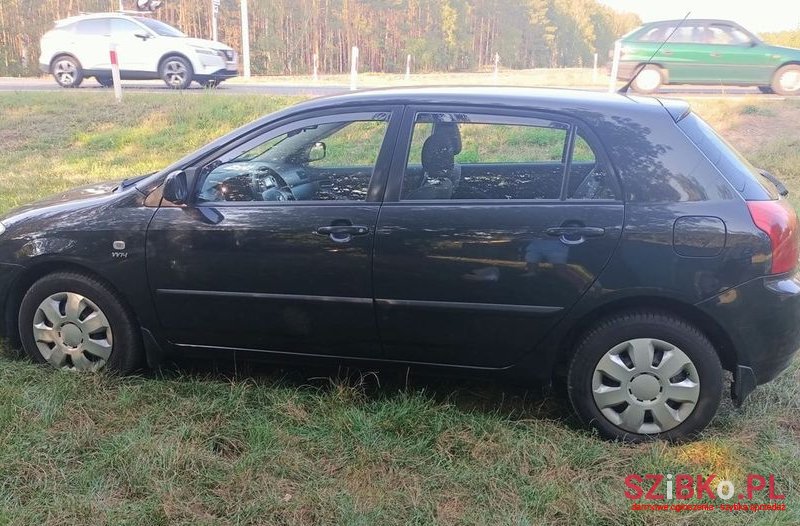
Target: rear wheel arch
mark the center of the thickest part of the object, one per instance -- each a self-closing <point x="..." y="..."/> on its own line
<point x="726" y="351"/>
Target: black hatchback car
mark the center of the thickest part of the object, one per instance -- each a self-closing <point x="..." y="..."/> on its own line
<point x="618" y="240"/>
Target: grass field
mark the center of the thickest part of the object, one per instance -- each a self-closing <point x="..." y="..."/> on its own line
<point x="286" y="447"/>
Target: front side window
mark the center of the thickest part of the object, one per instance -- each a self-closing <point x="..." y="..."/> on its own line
<point x="160" y="28"/>
<point x="330" y="159"/>
<point x="461" y="156"/>
<point x="122" y="27"/>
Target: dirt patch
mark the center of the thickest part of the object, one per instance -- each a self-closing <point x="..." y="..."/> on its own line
<point x="751" y="131"/>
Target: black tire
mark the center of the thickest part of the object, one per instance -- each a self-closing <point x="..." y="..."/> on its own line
<point x="779" y="85"/>
<point x="211" y="84"/>
<point x="126" y="350"/>
<point x="621" y="328"/>
<point x="106" y="82"/>
<point x="176" y="72"/>
<point x="767" y="90"/>
<point x="67" y="71"/>
<point x="649" y="79"/>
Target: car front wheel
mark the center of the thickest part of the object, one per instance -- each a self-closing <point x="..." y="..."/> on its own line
<point x="176" y="72"/>
<point x="786" y="80"/>
<point x="641" y="376"/>
<point x="75" y="322"/>
<point x="67" y="72"/>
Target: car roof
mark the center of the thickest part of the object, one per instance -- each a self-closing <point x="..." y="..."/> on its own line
<point x="530" y="98"/>
<point x="90" y="16"/>
<point x="692" y="21"/>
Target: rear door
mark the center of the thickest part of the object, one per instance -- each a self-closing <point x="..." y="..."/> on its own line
<point x="483" y="242"/>
<point x="92" y="44"/>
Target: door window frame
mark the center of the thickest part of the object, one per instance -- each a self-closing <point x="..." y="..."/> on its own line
<point x="402" y="151"/>
<point x="252" y="138"/>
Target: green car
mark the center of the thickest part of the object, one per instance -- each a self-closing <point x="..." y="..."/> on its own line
<point x="706" y="52"/>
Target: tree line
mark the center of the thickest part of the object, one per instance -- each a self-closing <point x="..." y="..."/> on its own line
<point x="441" y="35"/>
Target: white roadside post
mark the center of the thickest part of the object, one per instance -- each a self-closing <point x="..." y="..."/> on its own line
<point x="612" y="82"/>
<point x="315" y="76"/>
<point x="115" y="72"/>
<point x="408" y="67"/>
<point x="496" y="66"/>
<point x="354" y="68"/>
<point x="215" y="20"/>
<point x="245" y="40"/>
<point x="594" y="70"/>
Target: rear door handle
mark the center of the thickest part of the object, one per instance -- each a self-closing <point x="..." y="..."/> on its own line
<point x="342" y="233"/>
<point x="714" y="54"/>
<point x="666" y="52"/>
<point x="575" y="235"/>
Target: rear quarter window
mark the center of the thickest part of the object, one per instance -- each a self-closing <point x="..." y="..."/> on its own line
<point x="731" y="164"/>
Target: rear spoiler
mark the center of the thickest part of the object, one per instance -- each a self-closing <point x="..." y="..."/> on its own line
<point x="678" y="109"/>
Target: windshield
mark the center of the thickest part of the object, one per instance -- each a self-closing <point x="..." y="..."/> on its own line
<point x="160" y="28"/>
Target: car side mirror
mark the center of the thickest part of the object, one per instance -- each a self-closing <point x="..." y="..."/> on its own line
<point x="752" y="43"/>
<point x="317" y="152"/>
<point x="176" y="188"/>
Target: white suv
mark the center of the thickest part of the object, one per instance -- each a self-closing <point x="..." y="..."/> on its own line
<point x="79" y="47"/>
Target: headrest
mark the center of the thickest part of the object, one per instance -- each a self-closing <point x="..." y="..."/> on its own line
<point x="438" y="156"/>
<point x="451" y="131"/>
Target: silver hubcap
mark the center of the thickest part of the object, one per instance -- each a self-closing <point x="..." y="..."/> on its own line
<point x="65" y="71"/>
<point x="645" y="386"/>
<point x="72" y="333"/>
<point x="174" y="73"/>
<point x="790" y="80"/>
<point x="648" y="80"/>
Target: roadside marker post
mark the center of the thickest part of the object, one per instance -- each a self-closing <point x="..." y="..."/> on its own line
<point x="245" y="40"/>
<point x="115" y="72"/>
<point x="354" y="68"/>
<point x="408" y="67"/>
<point x="496" y="67"/>
<point x="594" y="70"/>
<point x="315" y="76"/>
<point x="215" y="20"/>
<point x="612" y="82"/>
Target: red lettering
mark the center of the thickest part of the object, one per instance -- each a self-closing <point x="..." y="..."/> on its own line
<point x="704" y="486"/>
<point x="772" y="494"/>
<point x="632" y="482"/>
<point x="651" y="493"/>
<point x="752" y="487"/>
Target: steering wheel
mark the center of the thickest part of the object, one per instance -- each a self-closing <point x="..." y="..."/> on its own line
<point x="268" y="185"/>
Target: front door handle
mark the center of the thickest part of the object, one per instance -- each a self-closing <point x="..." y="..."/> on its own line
<point x="575" y="235"/>
<point x="342" y="233"/>
<point x="714" y="54"/>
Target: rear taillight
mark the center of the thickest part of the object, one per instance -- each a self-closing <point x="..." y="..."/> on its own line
<point x="779" y="220"/>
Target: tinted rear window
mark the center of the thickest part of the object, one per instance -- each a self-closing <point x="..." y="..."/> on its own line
<point x="733" y="166"/>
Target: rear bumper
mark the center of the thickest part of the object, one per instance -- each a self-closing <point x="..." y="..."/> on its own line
<point x="762" y="318"/>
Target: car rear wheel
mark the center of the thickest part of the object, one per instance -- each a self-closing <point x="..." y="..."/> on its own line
<point x="67" y="72"/>
<point x="649" y="79"/>
<point x="786" y="80"/>
<point x="176" y="72"/>
<point x="75" y="322"/>
<point x="642" y="376"/>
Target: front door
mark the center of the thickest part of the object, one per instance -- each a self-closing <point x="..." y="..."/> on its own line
<point x="132" y="50"/>
<point x="494" y="225"/>
<point x="275" y="251"/>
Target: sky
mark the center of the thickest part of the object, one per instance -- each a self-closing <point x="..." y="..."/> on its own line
<point x="757" y="16"/>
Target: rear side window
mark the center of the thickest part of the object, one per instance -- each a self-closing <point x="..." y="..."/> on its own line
<point x="730" y="163"/>
<point x="94" y="26"/>
<point x="457" y="156"/>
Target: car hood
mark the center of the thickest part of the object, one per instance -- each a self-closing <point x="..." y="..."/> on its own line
<point x="68" y="199"/>
<point x="210" y="44"/>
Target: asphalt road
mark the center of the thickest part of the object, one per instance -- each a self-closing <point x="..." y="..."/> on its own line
<point x="46" y="84"/>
